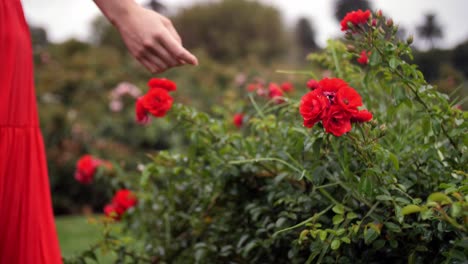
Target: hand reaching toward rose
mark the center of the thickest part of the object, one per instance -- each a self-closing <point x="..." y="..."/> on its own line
<point x="150" y="37"/>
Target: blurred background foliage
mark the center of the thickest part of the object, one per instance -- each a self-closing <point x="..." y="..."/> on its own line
<point x="237" y="41"/>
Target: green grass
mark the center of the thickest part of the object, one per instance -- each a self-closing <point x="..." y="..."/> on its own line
<point x="76" y="235"/>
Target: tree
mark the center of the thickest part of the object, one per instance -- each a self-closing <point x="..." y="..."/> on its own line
<point x="305" y="35"/>
<point x="460" y="57"/>
<point x="156" y="6"/>
<point x="342" y="7"/>
<point x="39" y="37"/>
<point x="230" y="30"/>
<point x="430" y="30"/>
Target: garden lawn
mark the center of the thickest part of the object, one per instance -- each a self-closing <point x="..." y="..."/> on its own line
<point x="77" y="234"/>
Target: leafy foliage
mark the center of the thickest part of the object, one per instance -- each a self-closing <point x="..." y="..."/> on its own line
<point x="75" y="81"/>
<point x="274" y="191"/>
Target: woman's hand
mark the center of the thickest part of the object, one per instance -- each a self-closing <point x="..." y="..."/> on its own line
<point x="150" y="37"/>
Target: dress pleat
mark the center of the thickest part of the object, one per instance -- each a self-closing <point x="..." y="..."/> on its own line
<point x="27" y="228"/>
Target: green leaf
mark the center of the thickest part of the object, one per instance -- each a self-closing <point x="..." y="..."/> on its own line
<point x="394" y="159"/>
<point x="351" y="216"/>
<point x="323" y="235"/>
<point x="393" y="63"/>
<point x="365" y="186"/>
<point x="392" y="227"/>
<point x="379" y="244"/>
<point x="340" y="231"/>
<point x="303" y="234"/>
<point x="456" y="209"/>
<point x="426" y="126"/>
<point x="337" y="219"/>
<point x="375" y="59"/>
<point x="410" y="209"/>
<point x="251" y="245"/>
<point x="439" y="197"/>
<point x="335" y="244"/>
<point x="339" y="209"/>
<point x="370" y="235"/>
<point x="346" y="240"/>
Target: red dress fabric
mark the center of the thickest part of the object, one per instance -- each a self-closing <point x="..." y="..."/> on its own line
<point x="27" y="228"/>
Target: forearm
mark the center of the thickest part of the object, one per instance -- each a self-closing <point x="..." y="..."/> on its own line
<point x="115" y="10"/>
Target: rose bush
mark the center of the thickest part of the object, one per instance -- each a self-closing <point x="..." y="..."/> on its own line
<point x="392" y="188"/>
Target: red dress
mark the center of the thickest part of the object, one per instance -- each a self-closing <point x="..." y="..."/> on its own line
<point x="27" y="228"/>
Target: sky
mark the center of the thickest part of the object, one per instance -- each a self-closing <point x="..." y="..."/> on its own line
<point x="64" y="19"/>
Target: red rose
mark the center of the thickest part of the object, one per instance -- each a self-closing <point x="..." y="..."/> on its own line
<point x="287" y="87"/>
<point x="334" y="103"/>
<point x="362" y="116"/>
<point x="156" y="102"/>
<point x="363" y="59"/>
<point x="312" y="84"/>
<point x="141" y="112"/>
<point x="312" y="107"/>
<point x="337" y="121"/>
<point x="124" y="199"/>
<point x="348" y="99"/>
<point x="355" y="18"/>
<point x="163" y="83"/>
<point x="113" y="211"/>
<point x="330" y="86"/>
<point x="86" y="168"/>
<point x="238" y="120"/>
<point x="275" y="93"/>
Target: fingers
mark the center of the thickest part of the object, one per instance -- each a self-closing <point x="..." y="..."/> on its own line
<point x="150" y="65"/>
<point x="177" y="51"/>
<point x="159" y="51"/>
<point x="155" y="58"/>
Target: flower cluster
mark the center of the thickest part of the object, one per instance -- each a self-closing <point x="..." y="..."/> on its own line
<point x="334" y="103"/>
<point x="273" y="91"/>
<point x="355" y="18"/>
<point x="86" y="168"/>
<point x="157" y="101"/>
<point x="122" y="201"/>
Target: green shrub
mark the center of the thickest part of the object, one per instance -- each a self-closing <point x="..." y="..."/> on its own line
<point x="391" y="190"/>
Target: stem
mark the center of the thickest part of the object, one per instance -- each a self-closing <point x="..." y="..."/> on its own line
<point x="328" y="195"/>
<point x="234" y="162"/>
<point x="259" y="111"/>
<point x="310" y="219"/>
<point x="369" y="213"/>
<point x="449" y="219"/>
<point x="335" y="60"/>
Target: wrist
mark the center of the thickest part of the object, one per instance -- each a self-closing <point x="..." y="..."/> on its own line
<point x="116" y="10"/>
